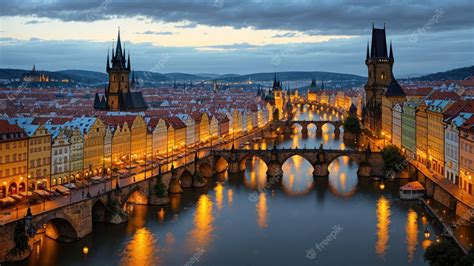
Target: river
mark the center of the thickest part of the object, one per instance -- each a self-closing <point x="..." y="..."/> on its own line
<point x="243" y="220"/>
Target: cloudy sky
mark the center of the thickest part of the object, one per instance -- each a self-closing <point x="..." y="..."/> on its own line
<point x="235" y="36"/>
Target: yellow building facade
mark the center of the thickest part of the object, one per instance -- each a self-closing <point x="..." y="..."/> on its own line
<point x="13" y="159"/>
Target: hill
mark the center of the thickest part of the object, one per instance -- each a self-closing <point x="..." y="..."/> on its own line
<point x="454" y="74"/>
<point x="293" y="75"/>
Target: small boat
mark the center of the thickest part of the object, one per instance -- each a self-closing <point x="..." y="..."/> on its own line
<point x="412" y="190"/>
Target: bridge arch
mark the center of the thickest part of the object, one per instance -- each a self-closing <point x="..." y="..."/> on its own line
<point x="342" y="181"/>
<point x="58" y="226"/>
<point x="186" y="178"/>
<point x="221" y="164"/>
<point x="297" y="176"/>
<point x="136" y="196"/>
<point x="98" y="212"/>
<point x="244" y="159"/>
<point x="344" y="154"/>
<point x="206" y="169"/>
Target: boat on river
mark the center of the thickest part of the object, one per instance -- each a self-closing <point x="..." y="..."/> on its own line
<point x="412" y="190"/>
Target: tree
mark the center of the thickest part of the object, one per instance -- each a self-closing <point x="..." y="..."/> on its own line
<point x="446" y="252"/>
<point x="351" y="124"/>
<point x="392" y="157"/>
<point x="20" y="238"/>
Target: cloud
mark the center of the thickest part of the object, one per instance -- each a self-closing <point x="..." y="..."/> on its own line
<point x="341" y="55"/>
<point x="285" y="35"/>
<point x="328" y="17"/>
<point x="34" y="22"/>
<point x="149" y="32"/>
<point x="187" y="26"/>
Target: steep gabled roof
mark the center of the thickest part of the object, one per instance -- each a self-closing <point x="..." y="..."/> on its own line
<point x="394" y="89"/>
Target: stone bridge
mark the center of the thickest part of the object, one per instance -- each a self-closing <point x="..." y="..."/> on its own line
<point x="74" y="220"/>
<point x="370" y="163"/>
<point x="289" y="125"/>
<point x="318" y="105"/>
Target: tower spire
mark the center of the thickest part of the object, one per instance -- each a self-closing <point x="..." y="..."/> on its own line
<point x="128" y="62"/>
<point x="367" y="55"/>
<point x="118" y="50"/>
<point x="391" y="50"/>
<point x="108" y="60"/>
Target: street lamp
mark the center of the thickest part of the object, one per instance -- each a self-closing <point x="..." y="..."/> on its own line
<point x="427" y="233"/>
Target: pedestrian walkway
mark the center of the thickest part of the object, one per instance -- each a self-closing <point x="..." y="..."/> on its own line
<point x="451" y="188"/>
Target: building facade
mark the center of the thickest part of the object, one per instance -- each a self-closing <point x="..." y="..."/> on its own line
<point x="13" y="159"/>
<point x="466" y="149"/>
<point x="397" y="125"/>
<point x="409" y="129"/>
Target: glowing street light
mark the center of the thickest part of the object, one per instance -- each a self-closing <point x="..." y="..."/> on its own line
<point x="85" y="250"/>
<point x="427" y="233"/>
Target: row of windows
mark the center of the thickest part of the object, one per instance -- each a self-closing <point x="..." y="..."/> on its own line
<point x="466" y="162"/>
<point x="58" y="160"/>
<point x="14" y="145"/>
<point x="46" y="161"/>
<point x="13" y="171"/>
<point x="451" y="151"/>
<point x="38" y="173"/>
<point x="60" y="169"/>
<point x="40" y="149"/>
<point x="14" y="158"/>
<point x="466" y="147"/>
<point x="40" y="141"/>
<point x="60" y="151"/>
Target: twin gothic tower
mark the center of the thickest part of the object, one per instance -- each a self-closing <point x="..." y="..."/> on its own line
<point x="381" y="84"/>
<point x="118" y="94"/>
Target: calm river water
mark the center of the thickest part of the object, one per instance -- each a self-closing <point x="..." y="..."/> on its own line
<point x="240" y="220"/>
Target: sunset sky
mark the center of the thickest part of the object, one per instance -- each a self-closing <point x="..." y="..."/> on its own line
<point x="224" y="36"/>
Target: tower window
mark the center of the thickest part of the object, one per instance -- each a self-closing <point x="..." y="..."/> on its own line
<point x="382" y="75"/>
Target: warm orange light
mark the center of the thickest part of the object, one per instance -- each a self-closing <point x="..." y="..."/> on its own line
<point x="382" y="186"/>
<point x="85" y="250"/>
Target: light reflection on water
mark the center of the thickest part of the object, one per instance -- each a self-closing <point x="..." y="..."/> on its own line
<point x="277" y="228"/>
<point x="343" y="176"/>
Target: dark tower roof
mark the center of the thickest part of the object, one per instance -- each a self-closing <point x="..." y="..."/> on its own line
<point x="391" y="52"/>
<point x="367" y="55"/>
<point x="394" y="89"/>
<point x="379" y="43"/>
<point x="118" y="58"/>
<point x="276" y="83"/>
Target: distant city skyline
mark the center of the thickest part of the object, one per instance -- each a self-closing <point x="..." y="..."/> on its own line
<point x="241" y="37"/>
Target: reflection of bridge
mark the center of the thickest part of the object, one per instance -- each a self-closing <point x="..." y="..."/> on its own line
<point x="288" y="126"/>
<point x="370" y="163"/>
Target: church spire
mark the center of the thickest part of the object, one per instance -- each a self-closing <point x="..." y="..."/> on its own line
<point x="367" y="55"/>
<point x="391" y="51"/>
<point x="118" y="50"/>
<point x="128" y="62"/>
<point x="108" y="61"/>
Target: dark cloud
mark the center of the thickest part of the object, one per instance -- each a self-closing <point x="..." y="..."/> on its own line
<point x="327" y="17"/>
<point x="149" y="32"/>
<point x="284" y="35"/>
<point x="34" y="22"/>
<point x="187" y="26"/>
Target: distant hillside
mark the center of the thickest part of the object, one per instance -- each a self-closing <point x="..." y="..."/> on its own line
<point x="184" y="76"/>
<point x="454" y="74"/>
<point x="84" y="76"/>
<point x="293" y="75"/>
